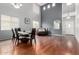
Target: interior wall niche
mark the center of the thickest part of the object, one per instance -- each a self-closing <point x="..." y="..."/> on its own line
<point x="57" y="24"/>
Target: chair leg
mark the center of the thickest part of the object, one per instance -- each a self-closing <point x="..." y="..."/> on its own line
<point x="31" y="42"/>
<point x="17" y="42"/>
<point x="13" y="40"/>
<point x="35" y="41"/>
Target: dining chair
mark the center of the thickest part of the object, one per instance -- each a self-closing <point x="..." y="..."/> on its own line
<point x="19" y="29"/>
<point x="19" y="37"/>
<point x="13" y="35"/>
<point x="33" y="35"/>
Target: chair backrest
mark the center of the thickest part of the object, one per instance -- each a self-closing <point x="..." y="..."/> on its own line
<point x="16" y="31"/>
<point x="33" y="33"/>
<point x="13" y="33"/>
<point x="19" y="29"/>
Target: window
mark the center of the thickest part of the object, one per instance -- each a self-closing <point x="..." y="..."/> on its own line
<point x="56" y="24"/>
<point x="8" y="22"/>
<point x="35" y="24"/>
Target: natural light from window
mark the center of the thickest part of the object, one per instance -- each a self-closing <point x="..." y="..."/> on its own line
<point x="56" y="24"/>
<point x="35" y="24"/>
<point x="9" y="22"/>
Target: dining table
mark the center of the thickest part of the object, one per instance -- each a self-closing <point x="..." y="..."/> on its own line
<point x="23" y="33"/>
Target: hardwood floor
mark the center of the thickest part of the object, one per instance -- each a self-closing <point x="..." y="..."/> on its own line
<point x="45" y="45"/>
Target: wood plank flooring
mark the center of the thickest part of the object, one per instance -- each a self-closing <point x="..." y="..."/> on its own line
<point x="45" y="45"/>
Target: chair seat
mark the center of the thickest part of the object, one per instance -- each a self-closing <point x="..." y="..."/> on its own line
<point x="22" y="37"/>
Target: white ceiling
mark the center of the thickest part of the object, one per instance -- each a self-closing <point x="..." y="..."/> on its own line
<point x="40" y="4"/>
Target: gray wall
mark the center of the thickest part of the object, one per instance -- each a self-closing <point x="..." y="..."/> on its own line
<point x="25" y="11"/>
<point x="49" y="15"/>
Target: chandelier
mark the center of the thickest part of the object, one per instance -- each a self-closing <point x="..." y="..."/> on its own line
<point x="17" y="5"/>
